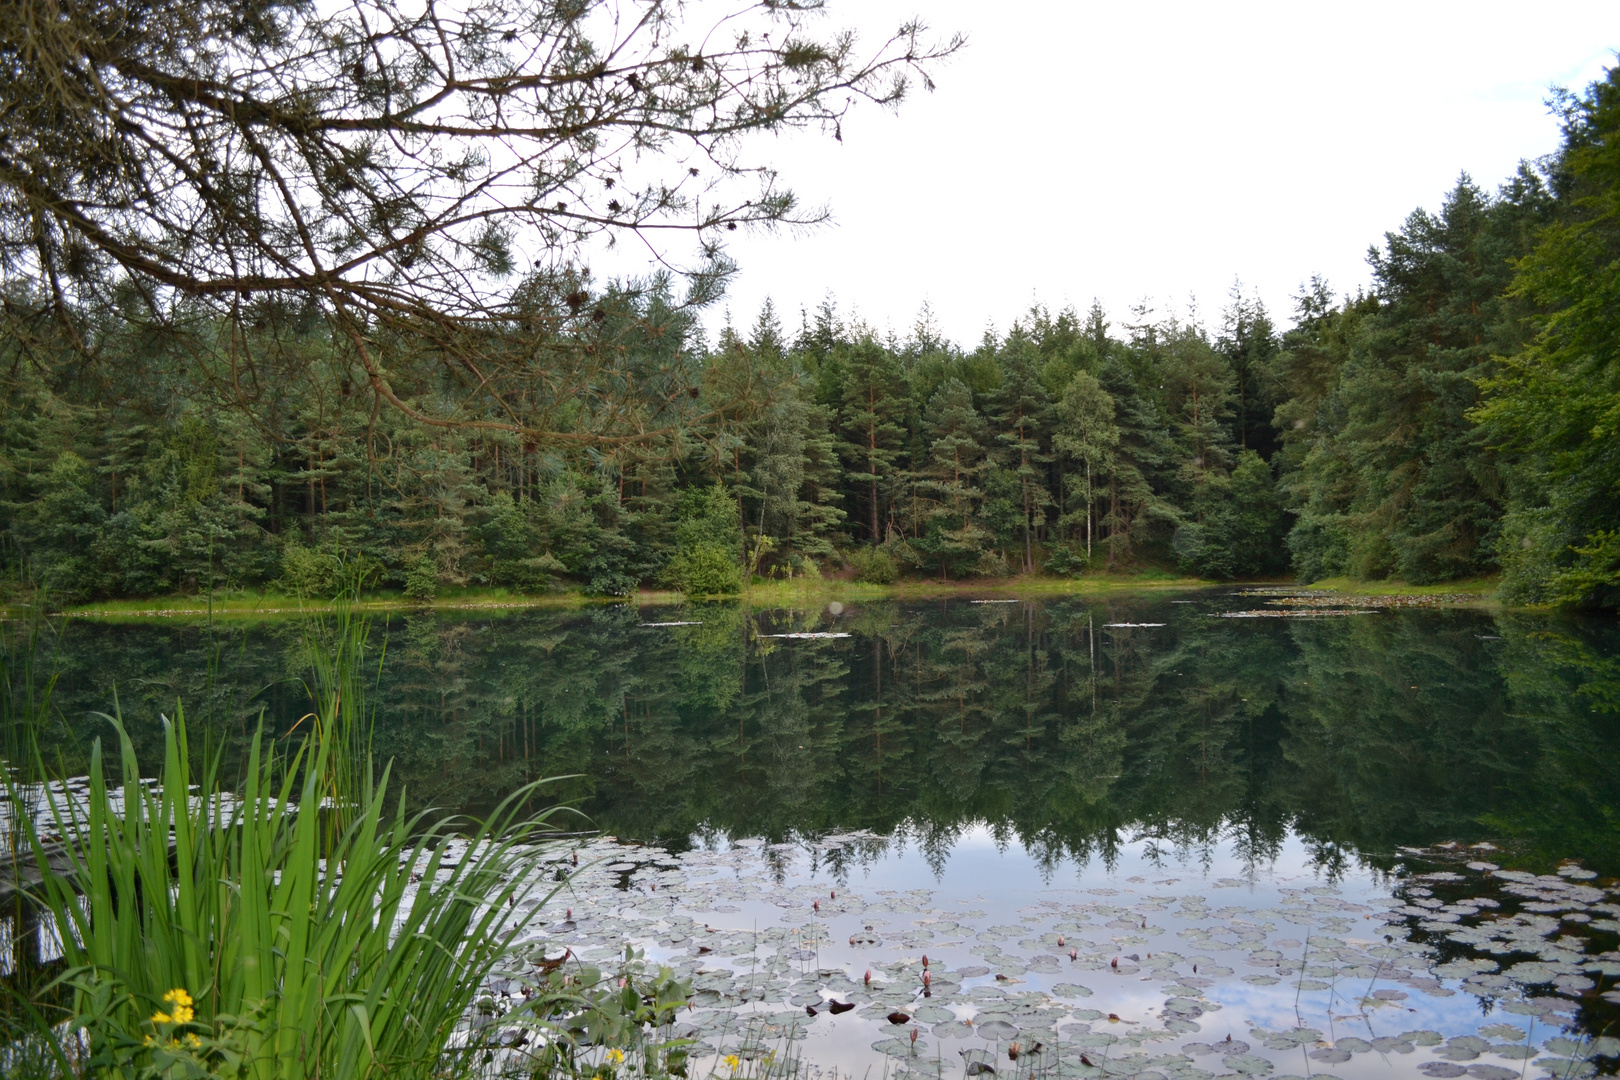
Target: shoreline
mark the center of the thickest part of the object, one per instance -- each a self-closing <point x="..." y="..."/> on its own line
<point x="790" y="593"/>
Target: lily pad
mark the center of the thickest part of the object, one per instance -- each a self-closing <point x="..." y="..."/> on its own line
<point x="1249" y="1064"/>
<point x="893" y="1047"/>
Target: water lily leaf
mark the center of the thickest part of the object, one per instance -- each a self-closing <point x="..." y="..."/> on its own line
<point x="894" y="1047"/>
<point x="1249" y="1065"/>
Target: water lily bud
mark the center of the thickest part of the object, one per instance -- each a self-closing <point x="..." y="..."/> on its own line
<point x="868" y="979"/>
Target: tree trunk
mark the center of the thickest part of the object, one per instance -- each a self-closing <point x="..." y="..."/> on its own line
<point x="1088" y="509"/>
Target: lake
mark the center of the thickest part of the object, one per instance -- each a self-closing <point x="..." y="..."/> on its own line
<point x="1176" y="834"/>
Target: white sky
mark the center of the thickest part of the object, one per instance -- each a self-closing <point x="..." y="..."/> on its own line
<point x="1130" y="150"/>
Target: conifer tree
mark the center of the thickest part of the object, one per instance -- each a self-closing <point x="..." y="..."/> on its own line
<point x="1087" y="433"/>
<point x="949" y="483"/>
<point x="1554" y="407"/>
<point x="1021" y="412"/>
<point x="871" y="427"/>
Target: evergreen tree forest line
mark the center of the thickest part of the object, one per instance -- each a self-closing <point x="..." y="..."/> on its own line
<point x="1460" y="418"/>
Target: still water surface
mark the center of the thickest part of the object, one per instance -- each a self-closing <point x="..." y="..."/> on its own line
<point x="1385" y="839"/>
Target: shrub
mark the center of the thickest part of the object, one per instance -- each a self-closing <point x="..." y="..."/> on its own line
<point x="708" y="536"/>
<point x="704" y="569"/>
<point x="874" y="565"/>
<point x="991" y="563"/>
<point x="1063" y="562"/>
<point x="422" y="579"/>
<point x="308" y="573"/>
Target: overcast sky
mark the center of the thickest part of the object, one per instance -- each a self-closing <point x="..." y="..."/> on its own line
<point x="1159" y="150"/>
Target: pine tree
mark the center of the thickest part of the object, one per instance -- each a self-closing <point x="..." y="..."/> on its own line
<point x="1087" y="433"/>
<point x="949" y="483"/>
<point x="1021" y="412"/>
<point x="871" y="427"/>
<point x="1554" y="406"/>
<point x="1248" y="342"/>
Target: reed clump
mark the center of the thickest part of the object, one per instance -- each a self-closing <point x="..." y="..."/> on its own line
<point x="205" y="934"/>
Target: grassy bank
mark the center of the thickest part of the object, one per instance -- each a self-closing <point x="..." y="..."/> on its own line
<point x="796" y="592"/>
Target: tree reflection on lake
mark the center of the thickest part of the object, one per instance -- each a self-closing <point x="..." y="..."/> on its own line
<point x="1036" y="719"/>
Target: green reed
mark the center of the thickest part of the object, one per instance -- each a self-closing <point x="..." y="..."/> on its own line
<point x="211" y="935"/>
<point x="336" y="650"/>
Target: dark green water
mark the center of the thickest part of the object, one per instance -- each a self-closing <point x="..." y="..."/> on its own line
<point x="1037" y="719"/>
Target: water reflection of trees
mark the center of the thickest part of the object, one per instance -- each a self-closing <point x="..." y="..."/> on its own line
<point x="1063" y="734"/>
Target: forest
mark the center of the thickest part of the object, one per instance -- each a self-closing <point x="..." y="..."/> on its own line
<point x="1459" y="419"/>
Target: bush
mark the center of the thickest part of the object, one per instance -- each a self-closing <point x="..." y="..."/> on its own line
<point x="532" y="574"/>
<point x="1065" y="563"/>
<point x="991" y="563"/>
<point x="874" y="565"/>
<point x="1320" y="547"/>
<point x="704" y="569"/>
<point x="309" y="573"/>
<point x="422" y="579"/>
<point x="708" y="536"/>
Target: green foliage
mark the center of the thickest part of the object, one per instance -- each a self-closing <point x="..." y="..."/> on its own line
<point x="1393" y="479"/>
<point x="1241" y="533"/>
<point x="607" y="1024"/>
<point x="422" y="579"/>
<point x="708" y="535"/>
<point x="1063" y="561"/>
<point x="213" y="940"/>
<point x="873" y="565"/>
<point x="1555" y="406"/>
<point x="309" y="574"/>
<point x="1355" y="442"/>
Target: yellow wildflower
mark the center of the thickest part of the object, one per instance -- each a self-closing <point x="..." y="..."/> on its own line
<point x="733" y="1061"/>
<point x="616" y="1056"/>
<point x="193" y="1042"/>
<point x="182" y="1008"/>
